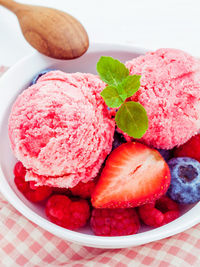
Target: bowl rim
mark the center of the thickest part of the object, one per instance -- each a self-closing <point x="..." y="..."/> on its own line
<point x="189" y="219"/>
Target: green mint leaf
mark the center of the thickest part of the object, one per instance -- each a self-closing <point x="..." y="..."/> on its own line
<point x="132" y="119"/>
<point x="111" y="70"/>
<point x="131" y="84"/>
<point x="111" y="97"/>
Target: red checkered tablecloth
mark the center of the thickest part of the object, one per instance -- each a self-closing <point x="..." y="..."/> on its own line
<point x="22" y="243"/>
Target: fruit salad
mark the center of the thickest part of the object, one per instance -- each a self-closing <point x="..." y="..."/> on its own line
<point x="117" y="150"/>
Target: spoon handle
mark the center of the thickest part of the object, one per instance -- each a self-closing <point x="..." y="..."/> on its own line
<point x="11" y="5"/>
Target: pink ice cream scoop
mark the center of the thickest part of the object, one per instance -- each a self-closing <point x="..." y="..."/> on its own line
<point x="60" y="129"/>
<point x="170" y="93"/>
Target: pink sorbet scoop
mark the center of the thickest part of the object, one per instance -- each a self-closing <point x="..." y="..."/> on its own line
<point x="60" y="129"/>
<point x="170" y="93"/>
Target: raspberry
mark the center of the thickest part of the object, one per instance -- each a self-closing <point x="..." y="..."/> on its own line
<point x="161" y="212"/>
<point x="190" y="149"/>
<point x="19" y="170"/>
<point x="38" y="194"/>
<point x="29" y="190"/>
<point x="67" y="213"/>
<point x="114" y="222"/>
<point x="83" y="190"/>
<point x="21" y="184"/>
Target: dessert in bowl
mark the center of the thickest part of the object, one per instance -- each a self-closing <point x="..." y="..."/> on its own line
<point x="19" y="77"/>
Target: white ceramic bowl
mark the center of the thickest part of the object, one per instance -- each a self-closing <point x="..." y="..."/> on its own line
<point x="12" y="83"/>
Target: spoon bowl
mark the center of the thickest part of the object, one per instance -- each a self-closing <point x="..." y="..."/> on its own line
<point x="52" y="32"/>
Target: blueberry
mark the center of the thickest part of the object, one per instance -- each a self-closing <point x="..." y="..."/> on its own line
<point x="185" y="180"/>
<point x="166" y="154"/>
<point x="118" y="140"/>
<point x="37" y="76"/>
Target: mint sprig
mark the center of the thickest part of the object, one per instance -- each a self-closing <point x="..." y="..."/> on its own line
<point x="131" y="117"/>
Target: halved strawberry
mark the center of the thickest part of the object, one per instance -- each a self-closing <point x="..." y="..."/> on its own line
<point x="134" y="175"/>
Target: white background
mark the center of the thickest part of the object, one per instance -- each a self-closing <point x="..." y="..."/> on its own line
<point x="147" y="23"/>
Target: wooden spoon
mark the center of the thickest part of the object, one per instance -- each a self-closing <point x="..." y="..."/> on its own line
<point x="50" y="31"/>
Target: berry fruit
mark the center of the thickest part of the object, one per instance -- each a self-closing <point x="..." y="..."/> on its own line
<point x="32" y="193"/>
<point x="67" y="213"/>
<point x="19" y="170"/>
<point x="133" y="175"/>
<point x="190" y="149"/>
<point x="37" y="76"/>
<point x="83" y="190"/>
<point x="114" y="222"/>
<point x="28" y="189"/>
<point x="166" y="154"/>
<point x="118" y="140"/>
<point x="185" y="180"/>
<point x="162" y="211"/>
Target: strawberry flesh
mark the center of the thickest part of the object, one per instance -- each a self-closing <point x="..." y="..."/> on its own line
<point x="134" y="175"/>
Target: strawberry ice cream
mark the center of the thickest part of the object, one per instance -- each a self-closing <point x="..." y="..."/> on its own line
<point x="60" y="129"/>
<point x="170" y="93"/>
